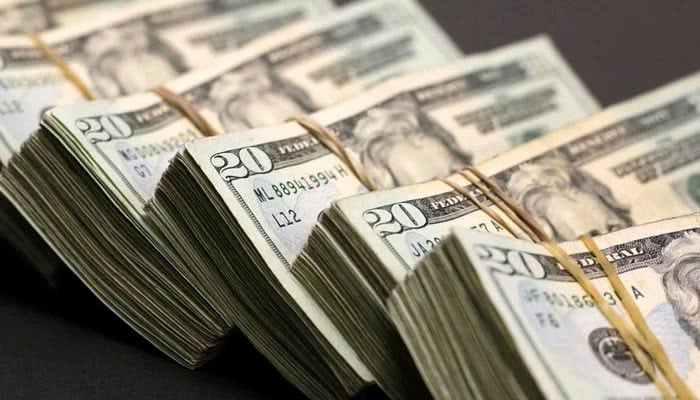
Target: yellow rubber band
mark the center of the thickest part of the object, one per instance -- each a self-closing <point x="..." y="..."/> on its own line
<point x="510" y="210"/>
<point x="186" y="109"/>
<point x="331" y="141"/>
<point x="62" y="65"/>
<point x="464" y="192"/>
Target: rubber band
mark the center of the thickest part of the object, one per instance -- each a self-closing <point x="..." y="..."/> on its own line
<point x="62" y="65"/>
<point x="464" y="192"/>
<point x="186" y="109"/>
<point x="331" y="141"/>
<point x="511" y="211"/>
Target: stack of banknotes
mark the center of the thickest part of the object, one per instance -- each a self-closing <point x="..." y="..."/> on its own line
<point x="154" y="151"/>
<point x="487" y="316"/>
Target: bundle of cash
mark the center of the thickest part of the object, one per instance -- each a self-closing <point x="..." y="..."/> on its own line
<point x="84" y="178"/>
<point x="30" y="16"/>
<point x="242" y="205"/>
<point x="143" y="45"/>
<point x="487" y="316"/>
<point x="633" y="163"/>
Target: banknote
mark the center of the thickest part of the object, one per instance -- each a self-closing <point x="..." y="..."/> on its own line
<point x="30" y="16"/>
<point x="145" y="44"/>
<point x="551" y="338"/>
<point x="632" y="163"/>
<point x="275" y="181"/>
<point x="94" y="167"/>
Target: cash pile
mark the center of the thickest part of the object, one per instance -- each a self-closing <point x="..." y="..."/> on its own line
<point x="486" y="316"/>
<point x="260" y="192"/>
<point x="82" y="180"/>
<point x="143" y="45"/>
<point x="282" y="167"/>
<point x="586" y="178"/>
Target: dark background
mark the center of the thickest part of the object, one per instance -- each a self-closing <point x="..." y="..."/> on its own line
<point x="69" y="347"/>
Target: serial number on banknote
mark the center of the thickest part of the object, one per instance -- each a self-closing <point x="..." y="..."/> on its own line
<point x="575" y="301"/>
<point x="294" y="186"/>
<point x="10" y="107"/>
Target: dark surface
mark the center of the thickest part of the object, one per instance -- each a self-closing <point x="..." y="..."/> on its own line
<point x="53" y="347"/>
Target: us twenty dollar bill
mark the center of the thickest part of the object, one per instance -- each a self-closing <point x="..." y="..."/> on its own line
<point x="29" y="16"/>
<point x="143" y="45"/>
<point x="567" y="347"/>
<point x="293" y="71"/>
<point x="632" y="163"/>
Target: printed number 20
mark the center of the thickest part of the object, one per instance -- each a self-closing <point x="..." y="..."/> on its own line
<point x="399" y="217"/>
<point x="250" y="160"/>
<point x="104" y="128"/>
